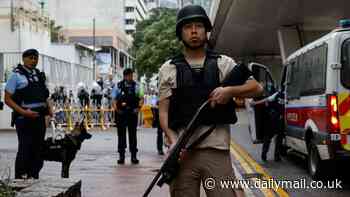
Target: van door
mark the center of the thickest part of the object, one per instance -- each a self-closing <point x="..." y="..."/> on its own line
<point x="257" y="114"/>
<point x="344" y="94"/>
<point x="294" y="134"/>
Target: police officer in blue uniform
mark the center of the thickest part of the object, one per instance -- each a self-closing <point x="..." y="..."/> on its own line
<point x="27" y="94"/>
<point x="126" y="102"/>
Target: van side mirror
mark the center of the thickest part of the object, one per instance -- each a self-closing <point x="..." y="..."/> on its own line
<point x="262" y="74"/>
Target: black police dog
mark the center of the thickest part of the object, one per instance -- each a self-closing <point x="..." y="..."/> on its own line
<point x="64" y="150"/>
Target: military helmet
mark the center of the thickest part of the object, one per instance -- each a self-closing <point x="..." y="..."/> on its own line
<point x="189" y="13"/>
<point x="128" y="71"/>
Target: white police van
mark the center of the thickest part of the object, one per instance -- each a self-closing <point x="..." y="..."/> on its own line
<point x="316" y="85"/>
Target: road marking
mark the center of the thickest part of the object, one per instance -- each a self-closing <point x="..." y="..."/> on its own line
<point x="245" y="155"/>
<point x="245" y="165"/>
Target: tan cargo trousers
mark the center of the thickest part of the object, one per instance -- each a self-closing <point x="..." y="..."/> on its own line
<point x="205" y="166"/>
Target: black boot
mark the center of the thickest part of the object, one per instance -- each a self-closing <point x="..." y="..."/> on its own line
<point x="263" y="156"/>
<point x="121" y="159"/>
<point x="278" y="158"/>
<point x="134" y="159"/>
<point x="265" y="149"/>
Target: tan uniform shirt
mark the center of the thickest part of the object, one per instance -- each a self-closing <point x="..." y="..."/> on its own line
<point x="220" y="137"/>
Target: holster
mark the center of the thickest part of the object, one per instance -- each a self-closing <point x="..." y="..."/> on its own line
<point x="14" y="116"/>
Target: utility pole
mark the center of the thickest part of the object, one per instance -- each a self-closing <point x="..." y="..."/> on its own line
<point x="42" y="4"/>
<point x="94" y="48"/>
<point x="12" y="17"/>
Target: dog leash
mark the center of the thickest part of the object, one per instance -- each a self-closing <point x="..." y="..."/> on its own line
<point x="55" y="135"/>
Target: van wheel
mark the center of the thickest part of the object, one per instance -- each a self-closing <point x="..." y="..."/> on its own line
<point x="314" y="162"/>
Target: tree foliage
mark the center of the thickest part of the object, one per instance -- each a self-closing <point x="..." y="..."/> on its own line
<point x="55" y="32"/>
<point x="155" y="41"/>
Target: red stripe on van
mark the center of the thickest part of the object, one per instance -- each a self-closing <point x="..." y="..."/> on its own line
<point x="299" y="116"/>
<point x="344" y="139"/>
<point x="344" y="106"/>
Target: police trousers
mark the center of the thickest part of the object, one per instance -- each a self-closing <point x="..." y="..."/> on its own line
<point x="127" y="120"/>
<point x="31" y="136"/>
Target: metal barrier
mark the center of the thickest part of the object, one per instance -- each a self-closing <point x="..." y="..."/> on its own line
<point x="93" y="117"/>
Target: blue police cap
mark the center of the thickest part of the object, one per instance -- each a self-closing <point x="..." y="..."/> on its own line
<point x="30" y="52"/>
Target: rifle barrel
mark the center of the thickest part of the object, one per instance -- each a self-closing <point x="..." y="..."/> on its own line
<point x="154" y="181"/>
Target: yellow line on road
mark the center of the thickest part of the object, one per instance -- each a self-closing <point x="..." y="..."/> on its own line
<point x="245" y="165"/>
<point x="281" y="192"/>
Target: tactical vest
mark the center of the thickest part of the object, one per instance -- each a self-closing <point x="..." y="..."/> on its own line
<point x="193" y="88"/>
<point x="128" y="95"/>
<point x="35" y="92"/>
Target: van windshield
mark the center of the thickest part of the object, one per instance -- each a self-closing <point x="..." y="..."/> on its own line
<point x="345" y="70"/>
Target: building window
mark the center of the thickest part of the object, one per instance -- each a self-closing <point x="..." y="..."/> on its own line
<point x="129" y="9"/>
<point x="129" y="21"/>
<point x="129" y="32"/>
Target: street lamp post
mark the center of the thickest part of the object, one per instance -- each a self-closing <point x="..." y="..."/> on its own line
<point x="42" y="3"/>
<point x="12" y="17"/>
<point x="94" y="49"/>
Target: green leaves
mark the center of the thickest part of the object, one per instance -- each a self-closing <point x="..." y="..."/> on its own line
<point x="155" y="41"/>
<point x="55" y="32"/>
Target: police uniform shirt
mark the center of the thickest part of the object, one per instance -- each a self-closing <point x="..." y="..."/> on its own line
<point x="18" y="81"/>
<point x="109" y="84"/>
<point x="220" y="137"/>
<point x="116" y="92"/>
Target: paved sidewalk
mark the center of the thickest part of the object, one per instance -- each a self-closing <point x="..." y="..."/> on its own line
<point x="96" y="165"/>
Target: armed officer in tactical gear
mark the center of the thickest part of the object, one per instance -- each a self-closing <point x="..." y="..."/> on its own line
<point x="185" y="82"/>
<point x="27" y="94"/>
<point x="126" y="102"/>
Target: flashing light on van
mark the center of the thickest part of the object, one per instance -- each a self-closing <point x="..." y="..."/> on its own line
<point x="344" y="23"/>
<point x="333" y="118"/>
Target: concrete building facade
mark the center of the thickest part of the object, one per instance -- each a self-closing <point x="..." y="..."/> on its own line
<point x="135" y="10"/>
<point x="151" y="4"/>
<point x="206" y="4"/>
<point x="80" y="18"/>
<point x="74" y="14"/>
<point x="22" y="26"/>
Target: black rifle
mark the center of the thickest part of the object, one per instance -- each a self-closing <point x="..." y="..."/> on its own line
<point x="170" y="167"/>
